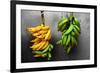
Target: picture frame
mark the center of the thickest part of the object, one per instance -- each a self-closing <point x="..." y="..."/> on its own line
<point x="16" y="64"/>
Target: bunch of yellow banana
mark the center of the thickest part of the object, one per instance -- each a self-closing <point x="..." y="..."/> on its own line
<point x="42" y="34"/>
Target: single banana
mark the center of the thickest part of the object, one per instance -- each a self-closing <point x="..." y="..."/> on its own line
<point x="59" y="42"/>
<point x="62" y="18"/>
<point x="34" y="29"/>
<point x="45" y="45"/>
<point x="46" y="49"/>
<point x="50" y="49"/>
<point x="73" y="33"/>
<point x="35" y="46"/>
<point x="61" y="24"/>
<point x="63" y="27"/>
<point x="51" y="46"/>
<point x="69" y="29"/>
<point x="73" y="41"/>
<point x="41" y="46"/>
<point x="40" y="32"/>
<point x="64" y="39"/>
<point x="48" y="35"/>
<point x="44" y="55"/>
<point x="41" y="36"/>
<point x="76" y="32"/>
<point x="49" y="56"/>
<point x="63" y="32"/>
<point x="38" y="55"/>
<point x="37" y="52"/>
<point x="68" y="49"/>
<point x="68" y="40"/>
<point x="35" y="40"/>
<point x="77" y="28"/>
<point x="76" y="22"/>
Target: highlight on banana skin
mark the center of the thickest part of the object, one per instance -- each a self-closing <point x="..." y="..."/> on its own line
<point x="41" y="46"/>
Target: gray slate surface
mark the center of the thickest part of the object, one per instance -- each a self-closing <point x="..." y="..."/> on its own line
<point x="32" y="18"/>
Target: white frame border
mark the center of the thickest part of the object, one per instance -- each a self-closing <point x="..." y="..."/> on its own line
<point x="20" y="65"/>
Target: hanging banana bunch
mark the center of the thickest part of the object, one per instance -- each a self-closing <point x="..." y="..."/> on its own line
<point x="41" y="47"/>
<point x="70" y="28"/>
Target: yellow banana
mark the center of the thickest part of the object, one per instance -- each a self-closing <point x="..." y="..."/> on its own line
<point x="31" y="29"/>
<point x="43" y="31"/>
<point x="41" y="46"/>
<point x="37" y="28"/>
<point x="46" y="44"/>
<point x="41" y="36"/>
<point x="35" y="40"/>
<point x="47" y="35"/>
<point x="35" y="46"/>
<point x="39" y="56"/>
<point x="34" y="29"/>
<point x="40" y="32"/>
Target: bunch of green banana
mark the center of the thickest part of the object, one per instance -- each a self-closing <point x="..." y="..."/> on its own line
<point x="70" y="28"/>
<point x="44" y="53"/>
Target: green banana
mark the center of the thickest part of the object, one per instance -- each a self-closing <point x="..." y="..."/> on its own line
<point x="68" y="49"/>
<point x="76" y="32"/>
<point x="68" y="40"/>
<point x="59" y="42"/>
<point x="45" y="50"/>
<point x="38" y="52"/>
<point x="64" y="39"/>
<point x="51" y="46"/>
<point x="76" y="22"/>
<point x="62" y="18"/>
<point x="77" y="28"/>
<point x="63" y="32"/>
<point x="49" y="56"/>
<point x="69" y="29"/>
<point x="73" y="33"/>
<point x="62" y="23"/>
<point x="45" y="54"/>
<point x="63" y="27"/>
<point x="73" y="41"/>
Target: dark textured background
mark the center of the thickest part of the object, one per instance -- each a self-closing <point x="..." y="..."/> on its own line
<point x="33" y="18"/>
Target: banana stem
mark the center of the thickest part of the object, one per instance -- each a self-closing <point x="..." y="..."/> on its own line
<point x="42" y="16"/>
<point x="71" y="14"/>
